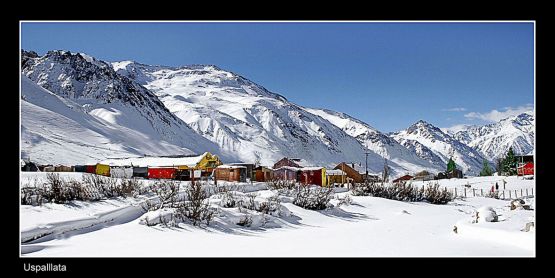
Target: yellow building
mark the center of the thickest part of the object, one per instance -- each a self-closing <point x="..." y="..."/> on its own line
<point x="102" y="169"/>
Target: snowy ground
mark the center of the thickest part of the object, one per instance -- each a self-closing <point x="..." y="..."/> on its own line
<point x="369" y="226"/>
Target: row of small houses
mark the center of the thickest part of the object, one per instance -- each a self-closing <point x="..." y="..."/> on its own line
<point x="209" y="165"/>
<point x="525" y="166"/>
<point x="426" y="176"/>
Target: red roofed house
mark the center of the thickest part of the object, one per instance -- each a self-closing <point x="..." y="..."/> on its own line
<point x="403" y="178"/>
<point x="525" y="169"/>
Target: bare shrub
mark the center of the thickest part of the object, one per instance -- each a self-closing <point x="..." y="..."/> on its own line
<point x="75" y="190"/>
<point x="403" y="192"/>
<point x="313" y="198"/>
<point x="149" y="206"/>
<point x="167" y="192"/>
<point x="57" y="193"/>
<point x="276" y="184"/>
<point x="435" y="195"/>
<point x="347" y="200"/>
<point x="131" y="187"/>
<point x="228" y="198"/>
<point x="245" y="221"/>
<point x="269" y="206"/>
<point x="195" y="207"/>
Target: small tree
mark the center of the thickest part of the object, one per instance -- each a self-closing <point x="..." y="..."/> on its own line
<point x="451" y="165"/>
<point x="509" y="163"/>
<point x="486" y="170"/>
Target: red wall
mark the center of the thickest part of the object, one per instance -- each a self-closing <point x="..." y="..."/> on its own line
<point x="91" y="169"/>
<point x="311" y="177"/>
<point x="527" y="169"/>
<point x="161" y="173"/>
<point x="285" y="174"/>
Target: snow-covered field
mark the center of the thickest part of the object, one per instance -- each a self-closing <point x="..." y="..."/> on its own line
<point x="368" y="226"/>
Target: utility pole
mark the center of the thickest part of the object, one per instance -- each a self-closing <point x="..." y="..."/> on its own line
<point x="366" y="176"/>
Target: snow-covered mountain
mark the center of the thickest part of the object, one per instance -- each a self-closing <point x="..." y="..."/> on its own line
<point x="245" y="118"/>
<point x="76" y="109"/>
<point x="379" y="143"/>
<point x="494" y="140"/>
<point x="430" y="142"/>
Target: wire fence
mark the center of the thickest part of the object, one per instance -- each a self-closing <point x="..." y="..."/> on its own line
<point x="498" y="194"/>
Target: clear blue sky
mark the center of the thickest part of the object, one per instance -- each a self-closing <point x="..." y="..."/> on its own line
<point x="386" y="74"/>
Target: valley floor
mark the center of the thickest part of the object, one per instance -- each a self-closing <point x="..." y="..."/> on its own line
<point x="367" y="227"/>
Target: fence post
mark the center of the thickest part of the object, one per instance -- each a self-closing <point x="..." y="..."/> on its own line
<point x="465" y="192"/>
<point x="455" y="192"/>
<point x="510" y="194"/>
<point x="521" y="193"/>
<point x="532" y="191"/>
<point x="473" y="192"/>
<point x="526" y="191"/>
<point x="482" y="191"/>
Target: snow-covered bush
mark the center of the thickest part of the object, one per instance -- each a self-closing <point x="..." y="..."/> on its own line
<point x="435" y="195"/>
<point x="90" y="188"/>
<point x="245" y="221"/>
<point x="346" y="200"/>
<point x="166" y="191"/>
<point x="485" y="214"/>
<point x="165" y="217"/>
<point x="313" y="198"/>
<point x="195" y="207"/>
<point x="281" y="184"/>
<point x="131" y="187"/>
<point x="404" y="192"/>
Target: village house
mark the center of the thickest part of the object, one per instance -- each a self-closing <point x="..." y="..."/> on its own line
<point x="336" y="176"/>
<point x="424" y="176"/>
<point x="351" y="171"/>
<point x="291" y="162"/>
<point x="262" y="174"/>
<point x="403" y="178"/>
<point x="161" y="172"/>
<point x="525" y="165"/>
<point x="249" y="166"/>
<point x="233" y="173"/>
<point x="287" y="173"/>
<point x="102" y="169"/>
<point x="313" y="176"/>
<point x="455" y="173"/>
<point x="183" y="165"/>
<point x="121" y="172"/>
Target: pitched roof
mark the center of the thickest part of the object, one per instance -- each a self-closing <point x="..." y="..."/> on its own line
<point x="335" y="172"/>
<point x="288" y="168"/>
<point x="301" y="162"/>
<point x="231" y="167"/>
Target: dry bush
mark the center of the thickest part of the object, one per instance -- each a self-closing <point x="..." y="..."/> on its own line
<point x="313" y="198"/>
<point x="57" y="192"/>
<point x="245" y="221"/>
<point x="276" y="184"/>
<point x="435" y="195"/>
<point x="167" y="192"/>
<point x="403" y="192"/>
<point x="195" y="207"/>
